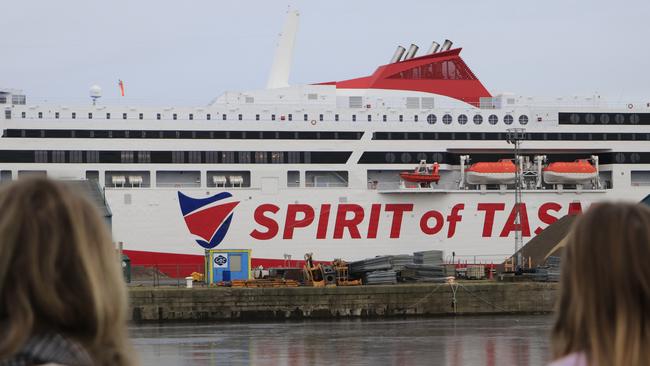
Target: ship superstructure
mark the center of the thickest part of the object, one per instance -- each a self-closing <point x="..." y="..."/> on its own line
<point x="319" y="168"/>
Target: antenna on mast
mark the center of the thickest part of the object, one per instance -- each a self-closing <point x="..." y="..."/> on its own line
<point x="279" y="76"/>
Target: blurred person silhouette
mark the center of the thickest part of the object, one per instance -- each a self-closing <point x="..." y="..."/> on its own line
<point x="62" y="296"/>
<point x="603" y="313"/>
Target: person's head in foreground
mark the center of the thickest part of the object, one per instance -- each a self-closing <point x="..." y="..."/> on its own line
<point x="603" y="314"/>
<point x="62" y="296"/>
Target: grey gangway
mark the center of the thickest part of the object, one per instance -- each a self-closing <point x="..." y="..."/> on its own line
<point x="91" y="190"/>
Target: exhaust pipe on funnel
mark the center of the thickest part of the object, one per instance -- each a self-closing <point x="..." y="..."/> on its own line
<point x="411" y="52"/>
<point x="398" y="54"/>
<point x="446" y="46"/>
<point x="434" y="48"/>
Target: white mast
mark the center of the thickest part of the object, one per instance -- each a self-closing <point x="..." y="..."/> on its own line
<point x="279" y="77"/>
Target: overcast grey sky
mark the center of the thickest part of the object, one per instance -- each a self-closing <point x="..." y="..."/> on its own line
<point x="190" y="51"/>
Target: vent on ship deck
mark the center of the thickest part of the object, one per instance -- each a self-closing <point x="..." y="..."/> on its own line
<point x="356" y="102"/>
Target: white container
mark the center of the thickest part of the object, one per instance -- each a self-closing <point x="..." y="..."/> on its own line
<point x="189" y="281"/>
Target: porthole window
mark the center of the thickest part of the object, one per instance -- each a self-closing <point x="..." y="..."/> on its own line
<point x="634" y="119"/>
<point x="523" y="119"/>
<point x="635" y="157"/>
<point x="462" y="119"/>
<point x="446" y="119"/>
<point x="574" y="118"/>
<point x="406" y="158"/>
<point x="422" y="156"/>
<point x="478" y="119"/>
<point x="604" y="118"/>
<point x="493" y="119"/>
<point x="619" y="119"/>
<point x="431" y="119"/>
<point x="508" y="119"/>
<point x="437" y="157"/>
<point x="390" y="157"/>
<point x="590" y="118"/>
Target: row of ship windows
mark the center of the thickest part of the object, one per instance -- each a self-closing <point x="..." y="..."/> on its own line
<point x="167" y="134"/>
<point x="431" y="118"/>
<point x="174" y="157"/>
<point x="604" y="118"/>
<point x="284" y="157"/>
<point x="321" y="135"/>
<point x="409" y="157"/>
<point x="533" y="136"/>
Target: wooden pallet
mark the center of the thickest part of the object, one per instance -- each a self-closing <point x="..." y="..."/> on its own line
<point x="264" y="283"/>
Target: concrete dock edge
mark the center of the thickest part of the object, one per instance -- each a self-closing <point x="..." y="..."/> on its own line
<point x="180" y="304"/>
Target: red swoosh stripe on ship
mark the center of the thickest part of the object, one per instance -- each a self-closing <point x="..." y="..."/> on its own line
<point x="204" y="223"/>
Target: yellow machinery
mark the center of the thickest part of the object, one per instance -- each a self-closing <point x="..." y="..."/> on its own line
<point x="313" y="273"/>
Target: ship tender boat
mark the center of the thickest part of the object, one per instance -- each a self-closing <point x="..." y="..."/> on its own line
<point x="577" y="172"/>
<point x="423" y="174"/>
<point x="500" y="172"/>
<point x="320" y="168"/>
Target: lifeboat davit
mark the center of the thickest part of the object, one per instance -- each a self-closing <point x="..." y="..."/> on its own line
<point x="423" y="174"/>
<point x="500" y="172"/>
<point x="577" y="172"/>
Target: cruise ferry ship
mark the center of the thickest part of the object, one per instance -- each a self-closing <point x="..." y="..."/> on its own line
<point x="413" y="157"/>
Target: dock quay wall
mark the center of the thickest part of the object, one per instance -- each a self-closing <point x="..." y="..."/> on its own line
<point x="222" y="303"/>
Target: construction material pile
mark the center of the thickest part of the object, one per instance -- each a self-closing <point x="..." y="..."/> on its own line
<point x="429" y="257"/>
<point x="380" y="263"/>
<point x="423" y="273"/>
<point x="422" y="266"/>
<point x="381" y="278"/>
<point x="550" y="272"/>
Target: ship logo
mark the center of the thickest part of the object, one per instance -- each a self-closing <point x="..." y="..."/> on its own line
<point x="208" y="218"/>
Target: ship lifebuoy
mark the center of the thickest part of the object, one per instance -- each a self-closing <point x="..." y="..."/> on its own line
<point x="313" y="122"/>
<point x="630" y="106"/>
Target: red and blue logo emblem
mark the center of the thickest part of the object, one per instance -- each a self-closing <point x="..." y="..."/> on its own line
<point x="208" y="218"/>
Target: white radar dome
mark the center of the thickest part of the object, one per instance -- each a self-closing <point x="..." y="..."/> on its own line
<point x="95" y="91"/>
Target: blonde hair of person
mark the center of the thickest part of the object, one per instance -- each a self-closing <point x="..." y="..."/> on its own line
<point x="59" y="273"/>
<point x="604" y="305"/>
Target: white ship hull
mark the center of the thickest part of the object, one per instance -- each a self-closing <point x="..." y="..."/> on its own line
<point x="475" y="226"/>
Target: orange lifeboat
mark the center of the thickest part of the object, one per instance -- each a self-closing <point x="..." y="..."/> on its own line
<point x="578" y="172"/>
<point x="500" y="172"/>
<point x="423" y="174"/>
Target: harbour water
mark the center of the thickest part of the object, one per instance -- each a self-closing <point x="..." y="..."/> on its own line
<point x="459" y="341"/>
